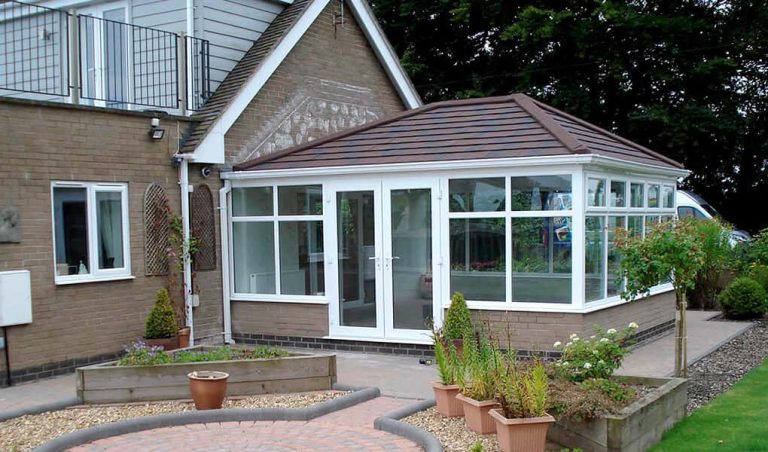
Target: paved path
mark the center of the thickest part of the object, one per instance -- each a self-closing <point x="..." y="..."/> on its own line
<point x="346" y="430"/>
<point x="43" y="392"/>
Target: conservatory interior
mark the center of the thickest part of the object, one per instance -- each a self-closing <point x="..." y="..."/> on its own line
<point x="506" y="200"/>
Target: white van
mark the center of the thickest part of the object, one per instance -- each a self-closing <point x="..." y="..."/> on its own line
<point x="692" y="205"/>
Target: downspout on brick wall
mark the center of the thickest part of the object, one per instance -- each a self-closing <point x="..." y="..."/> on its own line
<point x="187" y="264"/>
<point x="224" y="224"/>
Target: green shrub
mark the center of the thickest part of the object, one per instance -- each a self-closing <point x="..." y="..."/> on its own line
<point x="744" y="298"/>
<point x="458" y="321"/>
<point x="524" y="390"/>
<point x="713" y="237"/>
<point x="481" y="365"/>
<point x="139" y="354"/>
<point x="595" y="357"/>
<point x="759" y="273"/>
<point x="161" y="322"/>
<point x="613" y="390"/>
<point x="446" y="359"/>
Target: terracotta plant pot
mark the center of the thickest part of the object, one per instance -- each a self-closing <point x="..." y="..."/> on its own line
<point x="208" y="388"/>
<point x="476" y="414"/>
<point x="445" y="400"/>
<point x="184" y="337"/>
<point x="168" y="343"/>
<point x="521" y="435"/>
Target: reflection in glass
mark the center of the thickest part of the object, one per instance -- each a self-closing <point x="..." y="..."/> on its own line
<point x="477" y="195"/>
<point x="615" y="281"/>
<point x="541" y="260"/>
<point x="635" y="225"/>
<point x="596" y="192"/>
<point x="357" y="252"/>
<point x="300" y="200"/>
<point x="301" y="258"/>
<point x="411" y="258"/>
<point x="253" y="246"/>
<point x="653" y="196"/>
<point x="618" y="193"/>
<point x="636" y="195"/>
<point x="594" y="262"/>
<point x="70" y="218"/>
<point x="541" y="193"/>
<point x="650" y="222"/>
<point x="109" y="220"/>
<point x="478" y="248"/>
<point x="668" y="196"/>
<point x="255" y="201"/>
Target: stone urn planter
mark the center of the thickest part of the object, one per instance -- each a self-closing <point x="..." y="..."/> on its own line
<point x="208" y="388"/>
<point x="446" y="402"/>
<point x="476" y="414"/>
<point x="521" y="434"/>
<point x="184" y="337"/>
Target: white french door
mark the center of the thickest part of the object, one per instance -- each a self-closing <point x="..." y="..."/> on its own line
<point x="383" y="240"/>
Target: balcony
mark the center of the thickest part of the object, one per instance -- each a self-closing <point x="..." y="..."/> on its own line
<point x="91" y="59"/>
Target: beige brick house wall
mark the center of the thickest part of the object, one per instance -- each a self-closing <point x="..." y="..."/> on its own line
<point x="42" y="143"/>
<point x="280" y="319"/>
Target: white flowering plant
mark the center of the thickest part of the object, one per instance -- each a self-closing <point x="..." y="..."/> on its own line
<point x="595" y="357"/>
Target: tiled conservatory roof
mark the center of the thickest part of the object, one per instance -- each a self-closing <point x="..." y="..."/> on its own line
<point x="474" y="129"/>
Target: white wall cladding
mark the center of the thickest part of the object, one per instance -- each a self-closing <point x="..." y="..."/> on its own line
<point x="166" y="15"/>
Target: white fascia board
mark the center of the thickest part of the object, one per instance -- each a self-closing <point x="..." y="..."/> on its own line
<point x="642" y="168"/>
<point x="386" y="54"/>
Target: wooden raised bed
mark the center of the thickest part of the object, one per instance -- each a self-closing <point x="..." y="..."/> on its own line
<point x="109" y="383"/>
<point x="638" y="427"/>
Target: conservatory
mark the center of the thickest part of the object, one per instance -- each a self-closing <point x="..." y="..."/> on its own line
<point x="506" y="200"/>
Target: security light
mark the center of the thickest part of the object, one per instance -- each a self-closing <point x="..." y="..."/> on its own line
<point x="155" y="132"/>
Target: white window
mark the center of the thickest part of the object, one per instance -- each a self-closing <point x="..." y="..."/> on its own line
<point x="90" y="231"/>
<point x="277" y="241"/>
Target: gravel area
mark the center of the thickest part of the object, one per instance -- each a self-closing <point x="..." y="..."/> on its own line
<point x="451" y="431"/>
<point x="27" y="432"/>
<point x="719" y="370"/>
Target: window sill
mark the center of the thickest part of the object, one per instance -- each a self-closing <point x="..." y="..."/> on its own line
<point x="68" y="282"/>
<point x="300" y="299"/>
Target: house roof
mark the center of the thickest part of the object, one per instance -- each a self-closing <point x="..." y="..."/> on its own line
<point x="248" y="76"/>
<point x="474" y="129"/>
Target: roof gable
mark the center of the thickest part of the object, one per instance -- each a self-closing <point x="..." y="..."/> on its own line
<point x="475" y="129"/>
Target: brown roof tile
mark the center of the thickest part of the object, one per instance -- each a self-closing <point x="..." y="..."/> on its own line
<point x="487" y="128"/>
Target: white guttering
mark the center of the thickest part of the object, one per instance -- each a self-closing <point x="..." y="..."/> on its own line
<point x="460" y="164"/>
<point x="187" y="265"/>
<point x="224" y="223"/>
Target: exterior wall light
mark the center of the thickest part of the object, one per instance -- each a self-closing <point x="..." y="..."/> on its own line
<point x="155" y="132"/>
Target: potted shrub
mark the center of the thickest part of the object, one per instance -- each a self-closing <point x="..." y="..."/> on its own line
<point x="448" y="366"/>
<point x="161" y="329"/>
<point x="458" y="322"/>
<point x="478" y="384"/>
<point x="208" y="388"/>
<point x="521" y="421"/>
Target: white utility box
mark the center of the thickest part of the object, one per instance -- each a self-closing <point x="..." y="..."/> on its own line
<point x="15" y="298"/>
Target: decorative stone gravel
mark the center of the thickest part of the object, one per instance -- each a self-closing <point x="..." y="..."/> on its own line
<point x="451" y="431"/>
<point x="719" y="370"/>
<point x="27" y="432"/>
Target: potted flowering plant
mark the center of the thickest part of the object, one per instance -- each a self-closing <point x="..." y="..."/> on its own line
<point x="521" y="421"/>
<point x="448" y="368"/>
<point x="478" y="384"/>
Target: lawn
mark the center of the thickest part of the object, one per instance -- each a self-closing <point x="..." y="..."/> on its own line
<point x="735" y="421"/>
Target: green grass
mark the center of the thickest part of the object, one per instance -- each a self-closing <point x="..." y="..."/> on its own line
<point x="737" y="420"/>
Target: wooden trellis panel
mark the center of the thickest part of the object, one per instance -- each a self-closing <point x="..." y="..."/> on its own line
<point x="157" y="231"/>
<point x="203" y="228"/>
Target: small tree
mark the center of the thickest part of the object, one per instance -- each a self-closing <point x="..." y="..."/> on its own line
<point x="669" y="251"/>
<point x="458" y="321"/>
<point x="161" y="322"/>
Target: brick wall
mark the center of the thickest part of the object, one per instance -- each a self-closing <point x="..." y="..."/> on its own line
<point x="41" y="143"/>
<point x="648" y="314"/>
<point x="284" y="319"/>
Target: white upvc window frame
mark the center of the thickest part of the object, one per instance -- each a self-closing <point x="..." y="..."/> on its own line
<point x="508" y="214"/>
<point x="95" y="274"/>
<point x="607" y="211"/>
<point x="275" y="219"/>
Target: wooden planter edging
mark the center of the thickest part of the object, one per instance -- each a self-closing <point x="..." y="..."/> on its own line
<point x="638" y="427"/>
<point x="108" y="383"/>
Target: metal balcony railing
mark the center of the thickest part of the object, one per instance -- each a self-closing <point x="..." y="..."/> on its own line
<point x="50" y="53"/>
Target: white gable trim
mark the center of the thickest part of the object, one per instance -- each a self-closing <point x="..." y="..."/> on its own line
<point x="211" y="149"/>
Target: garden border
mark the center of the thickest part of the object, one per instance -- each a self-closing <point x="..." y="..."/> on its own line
<point x="391" y="423"/>
<point x="359" y="395"/>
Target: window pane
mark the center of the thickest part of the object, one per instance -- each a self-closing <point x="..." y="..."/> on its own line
<point x="635" y="225"/>
<point x="300" y="200"/>
<point x="301" y="258"/>
<point x="109" y="221"/>
<point x="618" y="193"/>
<point x="253" y="247"/>
<point x="684" y="211"/>
<point x="256" y="201"/>
<point x="594" y="262"/>
<point x="541" y="260"/>
<point x="70" y="217"/>
<point x="653" y="196"/>
<point x="650" y="221"/>
<point x="668" y="196"/>
<point x="478" y="247"/>
<point x="636" y="195"/>
<point x="541" y="193"/>
<point x="477" y="195"/>
<point x="615" y="281"/>
<point x="596" y="192"/>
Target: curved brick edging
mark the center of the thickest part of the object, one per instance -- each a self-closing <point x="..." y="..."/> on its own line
<point x="360" y="394"/>
<point x="37" y="409"/>
<point x="391" y="423"/>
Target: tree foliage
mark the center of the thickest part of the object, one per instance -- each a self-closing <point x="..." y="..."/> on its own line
<point x="686" y="78"/>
